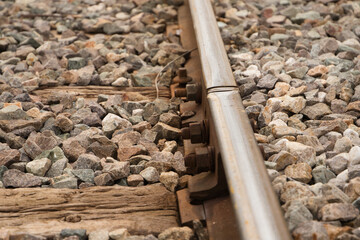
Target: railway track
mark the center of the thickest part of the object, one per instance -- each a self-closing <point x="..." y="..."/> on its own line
<point x="130" y="120"/>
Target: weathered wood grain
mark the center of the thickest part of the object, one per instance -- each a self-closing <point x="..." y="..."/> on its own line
<point x="142" y="210"/>
<point x="92" y="92"/>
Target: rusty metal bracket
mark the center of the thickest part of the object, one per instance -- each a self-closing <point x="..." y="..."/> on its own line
<point x="188" y="211"/>
<point x="208" y="185"/>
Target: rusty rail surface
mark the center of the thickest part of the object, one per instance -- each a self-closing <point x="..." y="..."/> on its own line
<point x="256" y="207"/>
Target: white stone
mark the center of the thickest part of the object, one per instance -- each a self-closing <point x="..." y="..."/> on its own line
<point x="272" y="174"/>
<point x="99" y="235"/>
<point x="38" y="167"/>
<point x="252" y="71"/>
<point x="80" y="103"/>
<point x="170" y="146"/>
<point x="290" y="61"/>
<point x="341" y="179"/>
<point x="242" y="56"/>
<point x="353" y="43"/>
<point x="170" y="180"/>
<point x="112" y="122"/>
<point x="137" y="112"/>
<point x="122" y="16"/>
<point x="304" y="153"/>
<point x="183" y="233"/>
<point x="321" y="96"/>
<point x="150" y="174"/>
<point x="121" y="82"/>
<point x="119" y="234"/>
<point x="354" y="155"/>
<point x="351" y="134"/>
<point x="277" y="123"/>
<point x="221" y="24"/>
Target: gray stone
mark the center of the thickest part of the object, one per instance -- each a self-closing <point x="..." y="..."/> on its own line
<point x="293" y="191"/>
<point x="310" y="230"/>
<point x="53" y="154"/>
<point x="104" y="179"/>
<point x="354" y="171"/>
<point x="113" y="122"/>
<point x="283" y="159"/>
<point x="184" y="233"/>
<point x="338" y="163"/>
<point x="298" y="72"/>
<point x="167" y="132"/>
<point x="116" y="169"/>
<point x="85" y="175"/>
<point x="316" y="111"/>
<point x="302" y="152"/>
<point x="328" y="45"/>
<point x="332" y="193"/>
<point x="9" y="156"/>
<point x="343" y="144"/>
<point x="297" y="214"/>
<point x="76" y="63"/>
<point x="80" y="233"/>
<point x="145" y="76"/>
<point x="268" y="82"/>
<point x="2" y="170"/>
<point x="338" y="212"/>
<point x="64" y="181"/>
<point x="310" y="15"/>
<point x="87" y="161"/>
<point x="64" y="123"/>
<point x="135" y="180"/>
<point x="138" y="158"/>
<point x="39" y="142"/>
<point x="322" y="174"/>
<point x="170" y="119"/>
<point x="12" y="112"/>
<point x="311" y="141"/>
<point x="15" y="178"/>
<point x="57" y="168"/>
<point x="136" y="169"/>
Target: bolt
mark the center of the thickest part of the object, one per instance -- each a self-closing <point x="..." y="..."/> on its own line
<point x="182" y="73"/>
<point x="185" y="133"/>
<point x="193" y="92"/>
<point x="190" y="163"/>
<point x="205" y="159"/>
<point x="196" y="132"/>
<point x="202" y="160"/>
<point x="182" y="78"/>
<point x="181" y="92"/>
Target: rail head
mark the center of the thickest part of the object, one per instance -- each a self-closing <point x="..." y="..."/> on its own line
<point x="255" y="204"/>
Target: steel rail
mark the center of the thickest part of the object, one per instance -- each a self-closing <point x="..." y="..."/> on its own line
<point x="255" y="204"/>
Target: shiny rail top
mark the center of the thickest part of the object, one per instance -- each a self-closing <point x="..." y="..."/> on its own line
<point x="212" y="51"/>
<point x="255" y="204"/>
